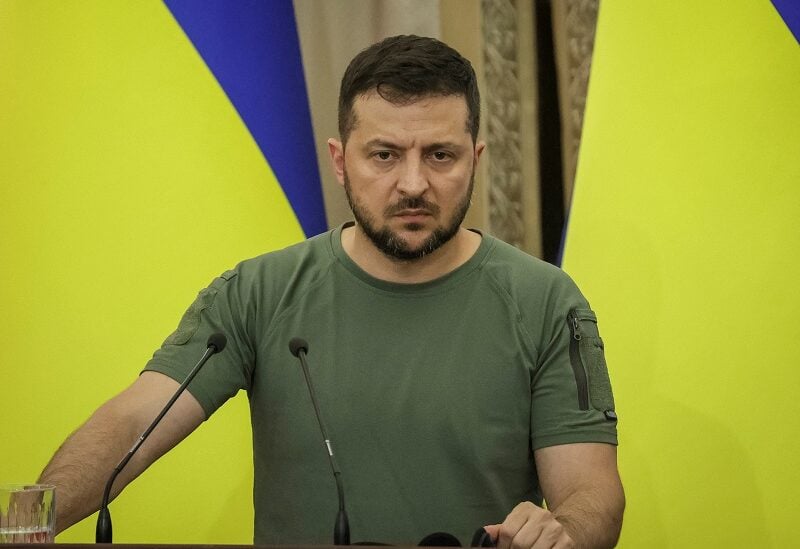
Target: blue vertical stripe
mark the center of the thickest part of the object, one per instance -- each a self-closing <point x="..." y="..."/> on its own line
<point x="790" y="12"/>
<point x="253" y="50"/>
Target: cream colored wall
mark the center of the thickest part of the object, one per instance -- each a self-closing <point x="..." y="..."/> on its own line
<point x="460" y="23"/>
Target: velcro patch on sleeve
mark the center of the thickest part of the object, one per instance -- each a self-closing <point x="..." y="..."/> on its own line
<point x="190" y="321"/>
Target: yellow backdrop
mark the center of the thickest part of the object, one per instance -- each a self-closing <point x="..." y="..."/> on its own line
<point x="127" y="183"/>
<point x="684" y="233"/>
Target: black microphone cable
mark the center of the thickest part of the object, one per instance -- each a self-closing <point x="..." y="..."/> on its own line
<point x="341" y="530"/>
<point x="103" y="533"/>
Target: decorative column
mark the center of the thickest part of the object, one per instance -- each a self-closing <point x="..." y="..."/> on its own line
<point x="574" y="25"/>
<point x="510" y="120"/>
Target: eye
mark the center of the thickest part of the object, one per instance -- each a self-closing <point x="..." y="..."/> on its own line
<point x="441" y="156"/>
<point x="383" y="156"/>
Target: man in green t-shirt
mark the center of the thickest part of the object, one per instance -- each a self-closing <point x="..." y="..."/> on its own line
<point x="463" y="381"/>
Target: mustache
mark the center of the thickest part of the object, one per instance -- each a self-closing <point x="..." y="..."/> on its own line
<point x="412" y="203"/>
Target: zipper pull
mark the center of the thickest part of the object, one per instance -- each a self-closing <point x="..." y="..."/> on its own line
<point x="576" y="327"/>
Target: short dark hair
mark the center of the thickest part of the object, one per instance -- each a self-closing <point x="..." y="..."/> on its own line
<point x="403" y="69"/>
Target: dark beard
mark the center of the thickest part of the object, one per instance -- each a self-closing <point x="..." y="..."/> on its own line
<point x="390" y="243"/>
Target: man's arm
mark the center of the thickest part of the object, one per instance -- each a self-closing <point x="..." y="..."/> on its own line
<point x="584" y="496"/>
<point x="82" y="465"/>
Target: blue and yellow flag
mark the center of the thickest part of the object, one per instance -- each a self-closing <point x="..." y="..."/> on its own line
<point x="790" y="12"/>
<point x="253" y="51"/>
<point x="684" y="233"/>
<point x="145" y="147"/>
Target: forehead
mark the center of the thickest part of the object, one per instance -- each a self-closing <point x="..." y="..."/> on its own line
<point x="434" y="117"/>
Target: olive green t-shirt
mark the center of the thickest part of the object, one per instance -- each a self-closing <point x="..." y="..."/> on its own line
<point x="434" y="395"/>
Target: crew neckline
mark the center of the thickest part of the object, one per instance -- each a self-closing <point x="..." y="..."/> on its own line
<point x="446" y="280"/>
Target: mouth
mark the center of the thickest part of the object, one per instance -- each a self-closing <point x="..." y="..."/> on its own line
<point x="413" y="215"/>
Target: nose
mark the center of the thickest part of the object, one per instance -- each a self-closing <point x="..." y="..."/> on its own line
<point x="412" y="180"/>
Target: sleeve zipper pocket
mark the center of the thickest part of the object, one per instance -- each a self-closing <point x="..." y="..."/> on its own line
<point x="578" y="368"/>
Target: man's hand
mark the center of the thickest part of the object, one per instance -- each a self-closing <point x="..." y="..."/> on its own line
<point x="530" y="526"/>
<point x="584" y="498"/>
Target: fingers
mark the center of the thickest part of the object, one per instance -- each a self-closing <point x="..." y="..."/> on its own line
<point x="530" y="527"/>
<point x="493" y="530"/>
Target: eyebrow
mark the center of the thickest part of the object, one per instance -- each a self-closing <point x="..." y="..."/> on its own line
<point x="448" y="145"/>
<point x="383" y="143"/>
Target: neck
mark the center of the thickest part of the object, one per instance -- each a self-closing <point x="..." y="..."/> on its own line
<point x="451" y="255"/>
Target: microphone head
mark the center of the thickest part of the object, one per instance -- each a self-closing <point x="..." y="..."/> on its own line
<point x="482" y="538"/>
<point x="297" y="344"/>
<point x="218" y="341"/>
<point x="439" y="539"/>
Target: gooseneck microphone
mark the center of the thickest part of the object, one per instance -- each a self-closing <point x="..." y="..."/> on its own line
<point x="341" y="530"/>
<point x="103" y="534"/>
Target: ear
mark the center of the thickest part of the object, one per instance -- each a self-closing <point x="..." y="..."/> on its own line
<point x="336" y="150"/>
<point x="480" y="146"/>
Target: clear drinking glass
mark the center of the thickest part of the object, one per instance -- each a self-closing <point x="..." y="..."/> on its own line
<point x="27" y="513"/>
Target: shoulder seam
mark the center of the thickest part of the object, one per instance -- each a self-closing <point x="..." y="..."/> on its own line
<point x="519" y="316"/>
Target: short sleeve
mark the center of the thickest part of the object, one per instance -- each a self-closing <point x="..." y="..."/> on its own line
<point x="571" y="392"/>
<point x="221" y="307"/>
